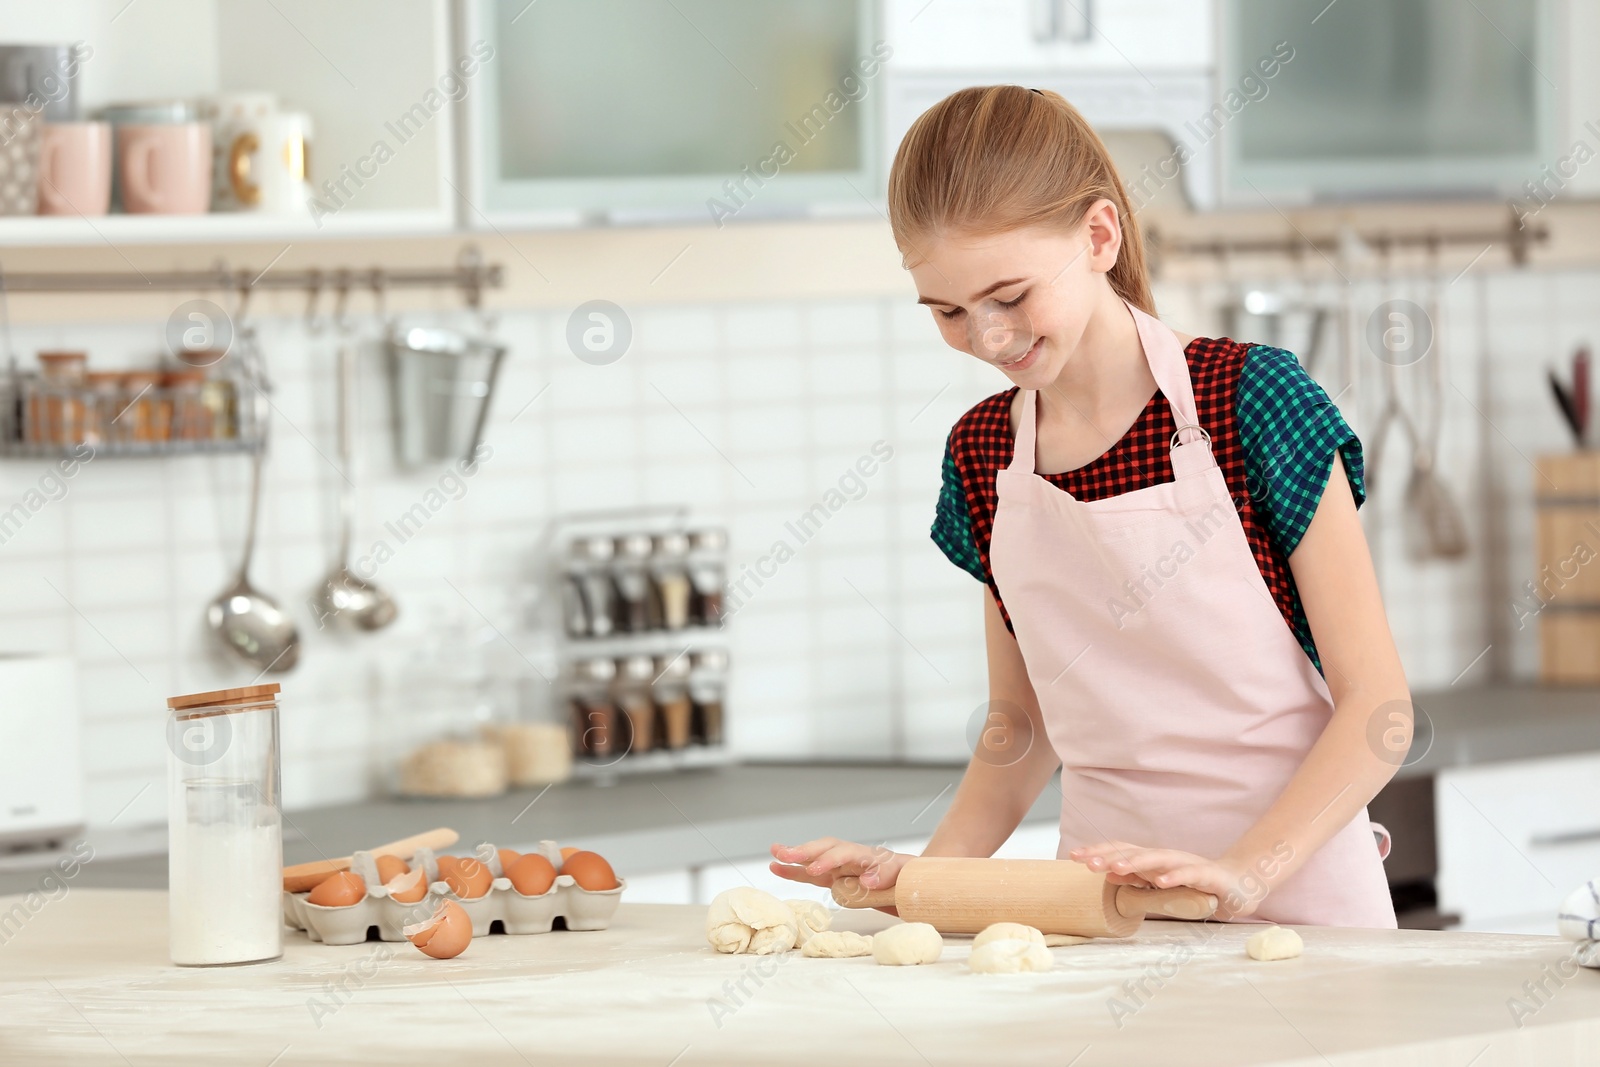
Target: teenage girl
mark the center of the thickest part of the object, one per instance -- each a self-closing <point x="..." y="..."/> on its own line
<point x="1181" y="600"/>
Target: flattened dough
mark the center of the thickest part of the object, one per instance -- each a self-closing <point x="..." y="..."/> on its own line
<point x="1013" y="955"/>
<point x="836" y="945"/>
<point x="907" y="944"/>
<point x="1063" y="940"/>
<point x="809" y="918"/>
<point x="1007" y="932"/>
<point x="1274" y="943"/>
<point x="746" y="920"/>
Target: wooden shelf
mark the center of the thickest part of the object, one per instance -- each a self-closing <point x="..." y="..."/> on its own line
<point x="220" y="227"/>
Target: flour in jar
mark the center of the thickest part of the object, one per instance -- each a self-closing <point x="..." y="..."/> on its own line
<point x="225" y="901"/>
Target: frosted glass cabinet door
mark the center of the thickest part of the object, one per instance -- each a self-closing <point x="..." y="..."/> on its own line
<point x="611" y="106"/>
<point x="1387" y="96"/>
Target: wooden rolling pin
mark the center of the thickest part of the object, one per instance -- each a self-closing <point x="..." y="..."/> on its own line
<point x="304" y="876"/>
<point x="962" y="896"/>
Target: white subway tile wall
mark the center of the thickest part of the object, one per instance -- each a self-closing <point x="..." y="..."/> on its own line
<point x="863" y="644"/>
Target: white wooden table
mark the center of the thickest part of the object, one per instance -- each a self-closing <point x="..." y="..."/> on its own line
<point x="85" y="980"/>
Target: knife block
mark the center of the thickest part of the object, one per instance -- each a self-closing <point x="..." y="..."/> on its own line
<point x="1566" y="592"/>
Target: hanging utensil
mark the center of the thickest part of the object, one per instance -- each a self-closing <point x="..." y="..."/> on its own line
<point x="1434" y="527"/>
<point x="243" y="619"/>
<point x="349" y="601"/>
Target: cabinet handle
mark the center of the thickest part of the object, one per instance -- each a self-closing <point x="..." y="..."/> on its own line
<point x="1045" y="15"/>
<point x="1076" y="21"/>
<point x="1571" y="837"/>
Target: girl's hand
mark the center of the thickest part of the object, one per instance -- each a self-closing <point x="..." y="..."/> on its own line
<point x="821" y="861"/>
<point x="1237" y="891"/>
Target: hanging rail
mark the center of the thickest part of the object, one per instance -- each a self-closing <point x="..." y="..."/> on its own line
<point x="471" y="275"/>
<point x="1516" y="237"/>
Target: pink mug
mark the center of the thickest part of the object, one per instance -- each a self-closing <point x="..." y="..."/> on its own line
<point x="165" y="169"/>
<point x="75" y="168"/>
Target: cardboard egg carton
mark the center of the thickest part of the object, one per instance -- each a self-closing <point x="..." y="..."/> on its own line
<point x="582" y="909"/>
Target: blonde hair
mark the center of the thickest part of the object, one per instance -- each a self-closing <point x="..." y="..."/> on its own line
<point x="1000" y="157"/>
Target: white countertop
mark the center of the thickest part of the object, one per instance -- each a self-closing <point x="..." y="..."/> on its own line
<point x="84" y="979"/>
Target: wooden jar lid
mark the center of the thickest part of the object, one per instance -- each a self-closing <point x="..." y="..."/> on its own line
<point x="250" y="694"/>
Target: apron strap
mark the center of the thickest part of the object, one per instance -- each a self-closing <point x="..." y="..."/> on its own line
<point x="1027" y="433"/>
<point x="1191" y="444"/>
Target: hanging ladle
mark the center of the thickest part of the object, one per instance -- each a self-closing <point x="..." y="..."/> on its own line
<point x="344" y="598"/>
<point x="243" y="619"/>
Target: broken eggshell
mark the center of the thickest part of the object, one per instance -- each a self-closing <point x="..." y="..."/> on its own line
<point x="445" y="934"/>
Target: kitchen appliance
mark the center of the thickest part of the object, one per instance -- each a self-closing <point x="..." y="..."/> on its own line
<point x="442" y="383"/>
<point x="43" y="77"/>
<point x="41" y="764"/>
<point x="964" y="895"/>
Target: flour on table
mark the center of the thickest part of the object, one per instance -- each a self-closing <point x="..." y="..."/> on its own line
<point x="1273" y="943"/>
<point x="809" y="918"/>
<point x="746" y="920"/>
<point x="1010" y="955"/>
<point x="836" y="945"/>
<point x="907" y="944"/>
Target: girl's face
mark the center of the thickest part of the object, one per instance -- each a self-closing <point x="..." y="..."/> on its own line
<point x="1018" y="300"/>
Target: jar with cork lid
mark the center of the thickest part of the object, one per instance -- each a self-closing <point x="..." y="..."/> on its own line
<point x="224" y="827"/>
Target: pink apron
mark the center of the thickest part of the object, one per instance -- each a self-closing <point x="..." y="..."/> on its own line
<point x="1178" y="700"/>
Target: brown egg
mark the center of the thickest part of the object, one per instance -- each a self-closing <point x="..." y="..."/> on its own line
<point x="408" y="888"/>
<point x="339" y="891"/>
<point x="389" y="867"/>
<point x="590" y="871"/>
<point x="470" y="879"/>
<point x="568" y="853"/>
<point x="507" y="858"/>
<point x="444" y="935"/>
<point x="446" y="864"/>
<point x="532" y="875"/>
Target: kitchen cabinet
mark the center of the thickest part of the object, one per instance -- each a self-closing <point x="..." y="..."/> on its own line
<point x="1399" y="98"/>
<point x="1515" y="838"/>
<point x="699" y="110"/>
<point x="1016" y="37"/>
<point x="376" y="76"/>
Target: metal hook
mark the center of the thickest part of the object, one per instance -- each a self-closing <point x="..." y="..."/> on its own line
<point x="341" y="301"/>
<point x="313" y="291"/>
<point x="379" y="283"/>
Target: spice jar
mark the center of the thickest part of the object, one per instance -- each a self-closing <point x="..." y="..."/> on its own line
<point x="708" y="684"/>
<point x="670" y="574"/>
<point x="221" y="402"/>
<point x="147" y="412"/>
<point x="190" y="419"/>
<point x="708" y="571"/>
<point x="630" y="576"/>
<point x="224" y="827"/>
<point x="599" y="728"/>
<point x="589" y="572"/>
<point x="670" y="694"/>
<point x="632" y="694"/>
<point x="104" y="404"/>
<point x="57" y="409"/>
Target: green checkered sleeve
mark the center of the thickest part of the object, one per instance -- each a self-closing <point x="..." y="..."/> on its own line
<point x="1290" y="431"/>
<point x="952" y="524"/>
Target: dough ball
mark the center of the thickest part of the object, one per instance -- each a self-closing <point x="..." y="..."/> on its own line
<point x="809" y="918"/>
<point x="836" y="945"/>
<point x="1579" y="918"/>
<point x="1063" y="940"/>
<point x="1274" y="943"/>
<point x="746" y="920"/>
<point x="907" y="944"/>
<point x="1011" y="955"/>
<point x="1007" y="932"/>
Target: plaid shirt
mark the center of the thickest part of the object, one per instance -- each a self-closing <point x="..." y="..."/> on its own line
<point x="1274" y="432"/>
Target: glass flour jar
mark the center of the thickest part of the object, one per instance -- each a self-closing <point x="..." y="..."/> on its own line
<point x="224" y="827"/>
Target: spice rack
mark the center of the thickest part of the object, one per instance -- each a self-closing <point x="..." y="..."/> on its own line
<point x="642" y="643"/>
<point x="64" y="408"/>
